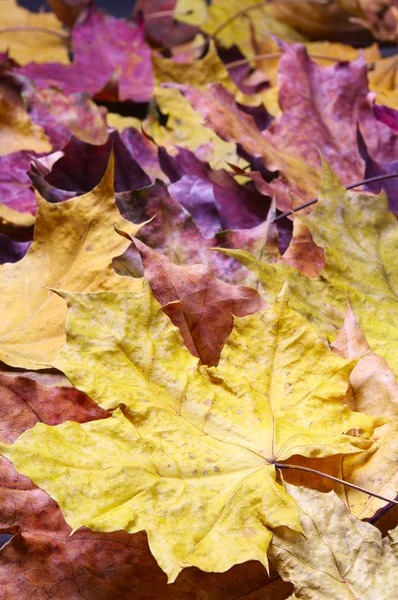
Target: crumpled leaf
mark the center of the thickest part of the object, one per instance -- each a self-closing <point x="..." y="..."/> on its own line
<point x="32" y="331"/>
<point x="201" y="306"/>
<point x="341" y="20"/>
<point x="176" y="419"/>
<point x="27" y="44"/>
<point x="379" y="16"/>
<point x="103" y="48"/>
<point x="18" y="132"/>
<point x="359" y="236"/>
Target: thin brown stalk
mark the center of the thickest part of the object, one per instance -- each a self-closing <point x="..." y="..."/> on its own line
<point x="168" y="13"/>
<point x="336" y="479"/>
<point x="348" y="187"/>
<point x="60" y="34"/>
<point x="270" y="55"/>
<point x="256" y="6"/>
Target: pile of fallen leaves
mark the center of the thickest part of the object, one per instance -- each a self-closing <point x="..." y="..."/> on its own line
<point x="198" y="376"/>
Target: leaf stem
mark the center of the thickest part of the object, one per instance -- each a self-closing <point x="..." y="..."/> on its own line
<point x="243" y="61"/>
<point x="348" y="187"/>
<point x="255" y="6"/>
<point x="168" y="13"/>
<point x="59" y="34"/>
<point x="315" y="472"/>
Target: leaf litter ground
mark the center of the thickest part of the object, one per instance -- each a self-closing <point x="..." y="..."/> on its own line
<point x="230" y="392"/>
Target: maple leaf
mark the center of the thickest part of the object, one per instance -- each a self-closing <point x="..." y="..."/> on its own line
<point x="188" y="453"/>
<point x="201" y="306"/>
<point x="27" y="43"/>
<point x="73" y="246"/>
<point x="359" y="236"/>
<point x="103" y="48"/>
<point x="338" y="556"/>
<point x="43" y="558"/>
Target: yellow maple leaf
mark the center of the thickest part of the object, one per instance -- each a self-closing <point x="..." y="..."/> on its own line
<point x="189" y="452"/>
<point x="18" y="132"/>
<point x="73" y="246"/>
<point x="338" y="556"/>
<point x="360" y="238"/>
<point x="35" y="40"/>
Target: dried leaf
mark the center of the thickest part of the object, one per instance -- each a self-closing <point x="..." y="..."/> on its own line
<point x="174" y="459"/>
<point x="360" y="237"/>
<point x="27" y="44"/>
<point x="201" y="306"/>
<point x="73" y="247"/>
<point x="338" y="556"/>
<point x="18" y="132"/>
<point x="103" y="48"/>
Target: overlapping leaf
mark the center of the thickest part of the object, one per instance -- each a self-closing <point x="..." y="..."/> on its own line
<point x="31" y="41"/>
<point x="32" y="331"/>
<point x="338" y="556"/>
<point x="360" y="238"/>
<point x="43" y="559"/>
